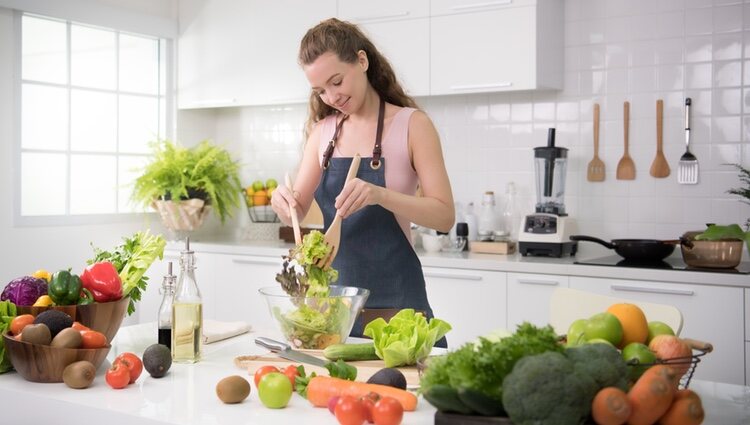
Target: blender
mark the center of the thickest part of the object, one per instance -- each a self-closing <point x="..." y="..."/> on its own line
<point x="547" y="231"/>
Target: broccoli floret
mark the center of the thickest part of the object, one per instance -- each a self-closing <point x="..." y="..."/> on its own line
<point x="602" y="362"/>
<point x="546" y="389"/>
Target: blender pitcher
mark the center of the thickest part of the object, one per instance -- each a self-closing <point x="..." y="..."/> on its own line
<point x="550" y="164"/>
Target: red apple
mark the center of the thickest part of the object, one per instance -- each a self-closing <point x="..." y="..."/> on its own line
<point x="668" y="347"/>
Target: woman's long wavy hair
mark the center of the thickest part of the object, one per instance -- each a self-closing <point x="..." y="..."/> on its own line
<point x="346" y="40"/>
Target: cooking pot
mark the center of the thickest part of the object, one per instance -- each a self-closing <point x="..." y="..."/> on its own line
<point x="720" y="254"/>
<point x="635" y="249"/>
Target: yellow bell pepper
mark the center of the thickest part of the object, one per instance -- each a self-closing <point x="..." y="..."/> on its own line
<point x="44" y="301"/>
<point x="42" y="274"/>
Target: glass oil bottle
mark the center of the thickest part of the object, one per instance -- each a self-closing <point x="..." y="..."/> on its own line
<point x="165" y="309"/>
<point x="187" y="312"/>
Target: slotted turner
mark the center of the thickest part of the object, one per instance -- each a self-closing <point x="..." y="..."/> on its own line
<point x="333" y="234"/>
<point x="687" y="168"/>
<point x="595" y="171"/>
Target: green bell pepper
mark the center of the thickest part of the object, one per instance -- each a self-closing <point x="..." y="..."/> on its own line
<point x="86" y="298"/>
<point x="64" y="288"/>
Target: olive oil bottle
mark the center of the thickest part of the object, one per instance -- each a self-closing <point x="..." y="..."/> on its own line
<point x="187" y="312"/>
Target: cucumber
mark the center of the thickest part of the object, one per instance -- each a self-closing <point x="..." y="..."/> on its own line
<point x="480" y="403"/>
<point x="350" y="352"/>
<point x="445" y="399"/>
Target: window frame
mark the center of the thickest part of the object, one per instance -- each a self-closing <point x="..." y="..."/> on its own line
<point x="166" y="54"/>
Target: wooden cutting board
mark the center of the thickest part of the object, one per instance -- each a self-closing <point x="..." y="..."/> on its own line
<point x="365" y="368"/>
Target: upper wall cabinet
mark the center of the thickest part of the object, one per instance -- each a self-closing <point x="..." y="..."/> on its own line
<point x="243" y="52"/>
<point x="401" y="32"/>
<point x="489" y="46"/>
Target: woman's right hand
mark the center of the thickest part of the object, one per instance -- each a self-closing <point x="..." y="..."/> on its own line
<point x="281" y="202"/>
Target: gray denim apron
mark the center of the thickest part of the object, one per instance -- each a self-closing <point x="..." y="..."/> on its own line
<point x="374" y="251"/>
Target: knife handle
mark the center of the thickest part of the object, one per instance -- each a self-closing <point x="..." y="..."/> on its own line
<point x="271" y="344"/>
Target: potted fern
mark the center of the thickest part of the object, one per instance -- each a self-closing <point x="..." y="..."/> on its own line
<point x="183" y="184"/>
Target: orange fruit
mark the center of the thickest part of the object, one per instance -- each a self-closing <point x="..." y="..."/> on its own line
<point x="633" y="321"/>
<point x="260" y="198"/>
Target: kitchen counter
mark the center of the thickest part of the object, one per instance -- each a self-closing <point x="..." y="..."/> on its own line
<point x="503" y="263"/>
<point x="186" y="395"/>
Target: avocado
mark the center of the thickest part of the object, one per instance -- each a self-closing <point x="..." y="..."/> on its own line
<point x="389" y="376"/>
<point x="157" y="359"/>
<point x="233" y="389"/>
<point x="55" y="320"/>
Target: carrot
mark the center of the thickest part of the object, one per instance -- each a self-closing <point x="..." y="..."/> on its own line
<point x="320" y="389"/>
<point x="611" y="406"/>
<point x="651" y="395"/>
<point x="686" y="409"/>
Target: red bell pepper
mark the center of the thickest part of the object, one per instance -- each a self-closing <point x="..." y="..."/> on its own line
<point x="103" y="282"/>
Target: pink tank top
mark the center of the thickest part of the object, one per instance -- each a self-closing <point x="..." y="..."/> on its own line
<point x="399" y="174"/>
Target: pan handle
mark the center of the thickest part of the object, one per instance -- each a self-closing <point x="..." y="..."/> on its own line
<point x="592" y="239"/>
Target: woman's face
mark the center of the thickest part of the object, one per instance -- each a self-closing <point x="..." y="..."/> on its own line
<point x="339" y="85"/>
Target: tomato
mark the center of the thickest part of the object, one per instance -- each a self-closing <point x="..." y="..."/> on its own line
<point x="20" y="322"/>
<point x="93" y="339"/>
<point x="274" y="390"/>
<point x="133" y="363"/>
<point x="332" y="404"/>
<point x="388" y="411"/>
<point x="291" y="372"/>
<point x="118" y="376"/>
<point x="79" y="327"/>
<point x="350" y="411"/>
<point x="263" y="370"/>
<point x="368" y="401"/>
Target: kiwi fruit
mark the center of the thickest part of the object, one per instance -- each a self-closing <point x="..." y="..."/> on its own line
<point x="79" y="374"/>
<point x="233" y="389"/>
<point x="55" y="320"/>
<point x="36" y="334"/>
<point x="67" y="338"/>
<point x="157" y="359"/>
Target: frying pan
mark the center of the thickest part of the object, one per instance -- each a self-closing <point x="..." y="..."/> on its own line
<point x="635" y="249"/>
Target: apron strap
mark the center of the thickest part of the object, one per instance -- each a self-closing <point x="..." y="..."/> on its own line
<point x="329" y="150"/>
<point x="377" y="151"/>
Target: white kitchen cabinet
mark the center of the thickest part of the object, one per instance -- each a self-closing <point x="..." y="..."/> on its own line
<point x="495" y="46"/>
<point x="401" y="32"/>
<point x="243" y="52"/>
<point x="472" y="301"/>
<point x="529" y="296"/>
<point x="238" y="279"/>
<point x="747" y="317"/>
<point x="747" y="363"/>
<point x="710" y="313"/>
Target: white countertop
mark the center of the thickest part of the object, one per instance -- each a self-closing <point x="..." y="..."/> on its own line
<point x="503" y="263"/>
<point x="186" y="395"/>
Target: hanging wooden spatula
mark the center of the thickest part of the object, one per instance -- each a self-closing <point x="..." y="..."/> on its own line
<point x="626" y="166"/>
<point x="660" y="166"/>
<point x="595" y="171"/>
<point x="333" y="234"/>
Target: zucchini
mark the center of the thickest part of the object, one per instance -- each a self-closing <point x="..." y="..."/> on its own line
<point x="350" y="352"/>
<point x="480" y="403"/>
<point x="445" y="399"/>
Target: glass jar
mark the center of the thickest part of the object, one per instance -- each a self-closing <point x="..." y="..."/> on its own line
<point x="164" y="318"/>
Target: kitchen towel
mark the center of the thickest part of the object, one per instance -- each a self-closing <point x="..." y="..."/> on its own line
<point x="214" y="330"/>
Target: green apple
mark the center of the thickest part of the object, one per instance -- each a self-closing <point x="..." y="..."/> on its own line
<point x="258" y="185"/>
<point x="639" y="358"/>
<point x="271" y="184"/>
<point x="599" y="341"/>
<point x="604" y="325"/>
<point x="275" y="390"/>
<point x="575" y="333"/>
<point x="658" y="328"/>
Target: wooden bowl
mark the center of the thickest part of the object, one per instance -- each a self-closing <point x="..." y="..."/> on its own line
<point x="44" y="363"/>
<point x="102" y="317"/>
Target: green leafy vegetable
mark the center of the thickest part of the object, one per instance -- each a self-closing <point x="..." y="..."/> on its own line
<point x="7" y="313"/>
<point x="131" y="260"/>
<point x="732" y="231"/>
<point x="406" y="338"/>
<point x="340" y="369"/>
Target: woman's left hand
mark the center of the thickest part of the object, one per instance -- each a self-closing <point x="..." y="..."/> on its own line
<point x="356" y="195"/>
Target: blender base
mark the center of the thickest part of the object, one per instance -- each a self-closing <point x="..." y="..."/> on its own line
<point x="548" y="249"/>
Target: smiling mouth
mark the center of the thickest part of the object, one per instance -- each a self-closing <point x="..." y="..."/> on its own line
<point x="341" y="105"/>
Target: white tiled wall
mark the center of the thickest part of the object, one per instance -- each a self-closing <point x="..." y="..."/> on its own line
<point x="615" y="50"/>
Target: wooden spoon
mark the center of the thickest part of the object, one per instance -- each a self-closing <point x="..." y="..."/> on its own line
<point x="595" y="172"/>
<point x="660" y="166"/>
<point x="626" y="166"/>
<point x="293" y="214"/>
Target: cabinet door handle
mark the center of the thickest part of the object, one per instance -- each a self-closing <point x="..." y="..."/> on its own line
<point x="538" y="282"/>
<point x="454" y="276"/>
<point x="482" y="5"/>
<point x="652" y="290"/>
<point x="378" y="17"/>
<point x="262" y="261"/>
<point x="482" y="86"/>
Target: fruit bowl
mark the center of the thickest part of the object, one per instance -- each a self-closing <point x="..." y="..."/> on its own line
<point x="262" y="214"/>
<point x="102" y="317"/>
<point x="315" y="322"/>
<point x="44" y="363"/>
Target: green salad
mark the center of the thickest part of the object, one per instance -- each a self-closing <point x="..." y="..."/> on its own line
<point x="317" y="321"/>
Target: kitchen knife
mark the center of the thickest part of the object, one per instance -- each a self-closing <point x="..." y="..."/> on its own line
<point x="285" y="351"/>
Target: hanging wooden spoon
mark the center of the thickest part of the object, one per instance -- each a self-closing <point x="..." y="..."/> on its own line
<point x="626" y="166"/>
<point x="660" y="166"/>
<point x="595" y="171"/>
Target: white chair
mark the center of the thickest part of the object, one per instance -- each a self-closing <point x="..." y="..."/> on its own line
<point x="568" y="305"/>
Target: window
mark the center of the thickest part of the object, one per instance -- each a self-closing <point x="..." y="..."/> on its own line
<point x="91" y="100"/>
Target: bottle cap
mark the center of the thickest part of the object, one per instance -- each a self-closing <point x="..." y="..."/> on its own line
<point x="462" y="229"/>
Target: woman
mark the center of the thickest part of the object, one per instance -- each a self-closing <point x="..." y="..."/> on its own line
<point x="358" y="107"/>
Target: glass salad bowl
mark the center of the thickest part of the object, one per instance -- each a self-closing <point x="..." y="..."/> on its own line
<point x="315" y="322"/>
